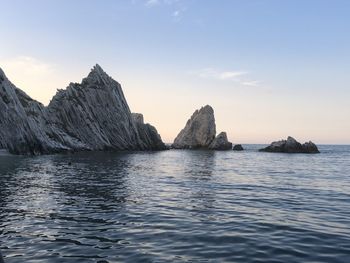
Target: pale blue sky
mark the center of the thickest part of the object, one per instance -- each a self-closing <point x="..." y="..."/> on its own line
<point x="269" y="68"/>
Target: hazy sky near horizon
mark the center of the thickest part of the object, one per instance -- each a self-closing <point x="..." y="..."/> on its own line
<point x="269" y="68"/>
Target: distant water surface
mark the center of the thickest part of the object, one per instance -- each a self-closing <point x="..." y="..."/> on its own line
<point x="176" y="206"/>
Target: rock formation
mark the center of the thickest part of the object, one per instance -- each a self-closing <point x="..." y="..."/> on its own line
<point x="92" y="115"/>
<point x="148" y="133"/>
<point x="20" y="120"/>
<point x="200" y="131"/>
<point x="238" y="147"/>
<point x="220" y="142"/>
<point x="291" y="146"/>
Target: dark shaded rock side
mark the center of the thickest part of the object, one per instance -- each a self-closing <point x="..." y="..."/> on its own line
<point x="291" y="146"/>
<point x="221" y="143"/>
<point x="148" y="133"/>
<point x="238" y="147"/>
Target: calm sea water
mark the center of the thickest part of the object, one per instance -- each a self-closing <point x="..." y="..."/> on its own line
<point x="176" y="206"/>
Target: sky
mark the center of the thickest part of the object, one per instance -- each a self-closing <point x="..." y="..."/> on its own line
<point x="269" y="68"/>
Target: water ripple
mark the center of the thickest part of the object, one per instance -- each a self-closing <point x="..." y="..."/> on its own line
<point x="176" y="206"/>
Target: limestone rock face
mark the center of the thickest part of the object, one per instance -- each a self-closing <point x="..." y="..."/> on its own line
<point x="220" y="142"/>
<point x="238" y="147"/>
<point x="199" y="131"/>
<point x="92" y="115"/>
<point x="291" y="146"/>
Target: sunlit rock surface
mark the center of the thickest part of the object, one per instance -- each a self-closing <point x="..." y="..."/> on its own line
<point x="199" y="131"/>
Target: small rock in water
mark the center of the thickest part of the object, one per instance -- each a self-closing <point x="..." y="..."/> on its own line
<point x="221" y="143"/>
<point x="291" y="146"/>
<point x="238" y="147"/>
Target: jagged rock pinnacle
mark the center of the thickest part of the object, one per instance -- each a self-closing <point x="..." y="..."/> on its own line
<point x="91" y="115"/>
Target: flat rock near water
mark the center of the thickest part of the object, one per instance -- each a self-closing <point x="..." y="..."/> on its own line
<point x="200" y="131"/>
<point x="91" y="115"/>
<point x="291" y="146"/>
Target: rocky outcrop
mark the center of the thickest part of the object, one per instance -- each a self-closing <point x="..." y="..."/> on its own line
<point x="148" y="133"/>
<point x="96" y="113"/>
<point x="20" y="121"/>
<point x="199" y="132"/>
<point x="92" y="115"/>
<point x="238" y="147"/>
<point x="310" y="147"/>
<point x="220" y="142"/>
<point x="291" y="146"/>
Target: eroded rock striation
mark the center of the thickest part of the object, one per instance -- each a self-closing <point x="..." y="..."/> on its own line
<point x="200" y="131"/>
<point x="20" y="120"/>
<point x="91" y="115"/>
<point x="221" y="143"/>
<point x="291" y="146"/>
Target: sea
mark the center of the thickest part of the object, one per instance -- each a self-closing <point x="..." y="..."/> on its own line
<point x="176" y="206"/>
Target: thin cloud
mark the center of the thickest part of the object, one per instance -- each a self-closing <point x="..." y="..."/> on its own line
<point x="177" y="7"/>
<point x="252" y="83"/>
<point x="219" y="75"/>
<point x="231" y="74"/>
<point x="152" y="2"/>
<point x="160" y="2"/>
<point x="176" y="13"/>
<point x="38" y="78"/>
<point x="28" y="66"/>
<point x="240" y="77"/>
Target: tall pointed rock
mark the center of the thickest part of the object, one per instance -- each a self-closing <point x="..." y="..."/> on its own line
<point x="91" y="115"/>
<point x="96" y="112"/>
<point x="199" y="131"/>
